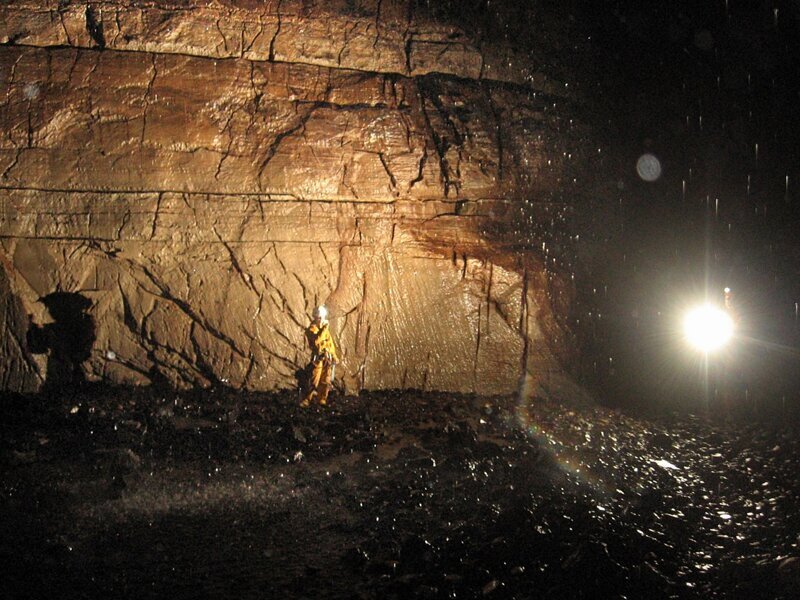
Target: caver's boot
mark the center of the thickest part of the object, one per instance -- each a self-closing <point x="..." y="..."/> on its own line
<point x="323" y="395"/>
<point x="307" y="400"/>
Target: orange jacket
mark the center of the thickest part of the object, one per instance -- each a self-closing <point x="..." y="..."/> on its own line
<point x="320" y="342"/>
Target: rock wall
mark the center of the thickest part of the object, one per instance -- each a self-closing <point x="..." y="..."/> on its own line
<point x="207" y="172"/>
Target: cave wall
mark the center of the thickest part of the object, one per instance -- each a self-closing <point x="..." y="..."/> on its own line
<point x="207" y="172"/>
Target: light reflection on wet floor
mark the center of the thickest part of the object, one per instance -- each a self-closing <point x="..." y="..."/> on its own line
<point x="406" y="497"/>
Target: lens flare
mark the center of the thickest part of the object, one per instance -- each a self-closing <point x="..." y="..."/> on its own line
<point x="708" y="328"/>
<point x="648" y="167"/>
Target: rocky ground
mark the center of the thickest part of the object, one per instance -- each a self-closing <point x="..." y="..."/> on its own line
<point x="132" y="493"/>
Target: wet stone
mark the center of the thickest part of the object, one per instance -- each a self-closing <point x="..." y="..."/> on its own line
<point x="544" y="508"/>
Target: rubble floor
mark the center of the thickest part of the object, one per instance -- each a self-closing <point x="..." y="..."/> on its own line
<point x="134" y="493"/>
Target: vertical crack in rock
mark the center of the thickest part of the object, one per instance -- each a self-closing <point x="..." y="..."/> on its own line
<point x="126" y="217"/>
<point x="408" y="37"/>
<point x="227" y="128"/>
<point x="258" y="34"/>
<point x="29" y="130"/>
<point x="441" y="149"/>
<point x="64" y="27"/>
<point x="478" y="334"/>
<point x="366" y="354"/>
<point x="147" y="95"/>
<point x="76" y="56"/>
<point x="392" y="180"/>
<point x="14" y="162"/>
<point x="118" y="24"/>
<point x="345" y="42"/>
<point x="271" y="53"/>
<point x="363" y="331"/>
<point x="346" y="184"/>
<point x="12" y="76"/>
<point x="489" y="300"/>
<point x="94" y="26"/>
<point x="248" y="373"/>
<point x="190" y="205"/>
<point x="423" y="159"/>
<point x="256" y="102"/>
<point x="156" y="215"/>
<point x="499" y="132"/>
<point x="429" y="97"/>
<point x="127" y="314"/>
<point x="222" y="35"/>
<point x="325" y="256"/>
<point x="377" y="24"/>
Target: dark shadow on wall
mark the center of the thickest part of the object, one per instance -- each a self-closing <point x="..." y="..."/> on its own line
<point x="68" y="339"/>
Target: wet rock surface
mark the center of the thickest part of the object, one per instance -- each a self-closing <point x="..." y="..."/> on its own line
<point x="206" y="173"/>
<point x="129" y="493"/>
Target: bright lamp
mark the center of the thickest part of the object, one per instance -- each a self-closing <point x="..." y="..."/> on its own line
<point x="708" y="328"/>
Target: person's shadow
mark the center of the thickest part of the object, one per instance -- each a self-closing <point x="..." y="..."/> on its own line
<point x="68" y="339"/>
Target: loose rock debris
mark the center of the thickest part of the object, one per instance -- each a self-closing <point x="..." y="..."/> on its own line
<point x="391" y="495"/>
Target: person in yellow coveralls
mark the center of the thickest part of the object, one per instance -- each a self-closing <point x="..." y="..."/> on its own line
<point x="323" y="358"/>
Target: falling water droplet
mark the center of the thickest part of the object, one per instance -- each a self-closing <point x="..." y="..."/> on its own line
<point x="756" y="153"/>
<point x="648" y="167"/>
<point x="31" y="91"/>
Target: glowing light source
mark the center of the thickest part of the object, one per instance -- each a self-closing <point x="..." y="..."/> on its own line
<point x="708" y="328"/>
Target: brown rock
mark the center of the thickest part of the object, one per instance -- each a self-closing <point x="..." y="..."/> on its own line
<point x="206" y="177"/>
<point x="377" y="36"/>
<point x="18" y="371"/>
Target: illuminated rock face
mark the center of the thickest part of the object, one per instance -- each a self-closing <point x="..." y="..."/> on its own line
<point x="206" y="177"/>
